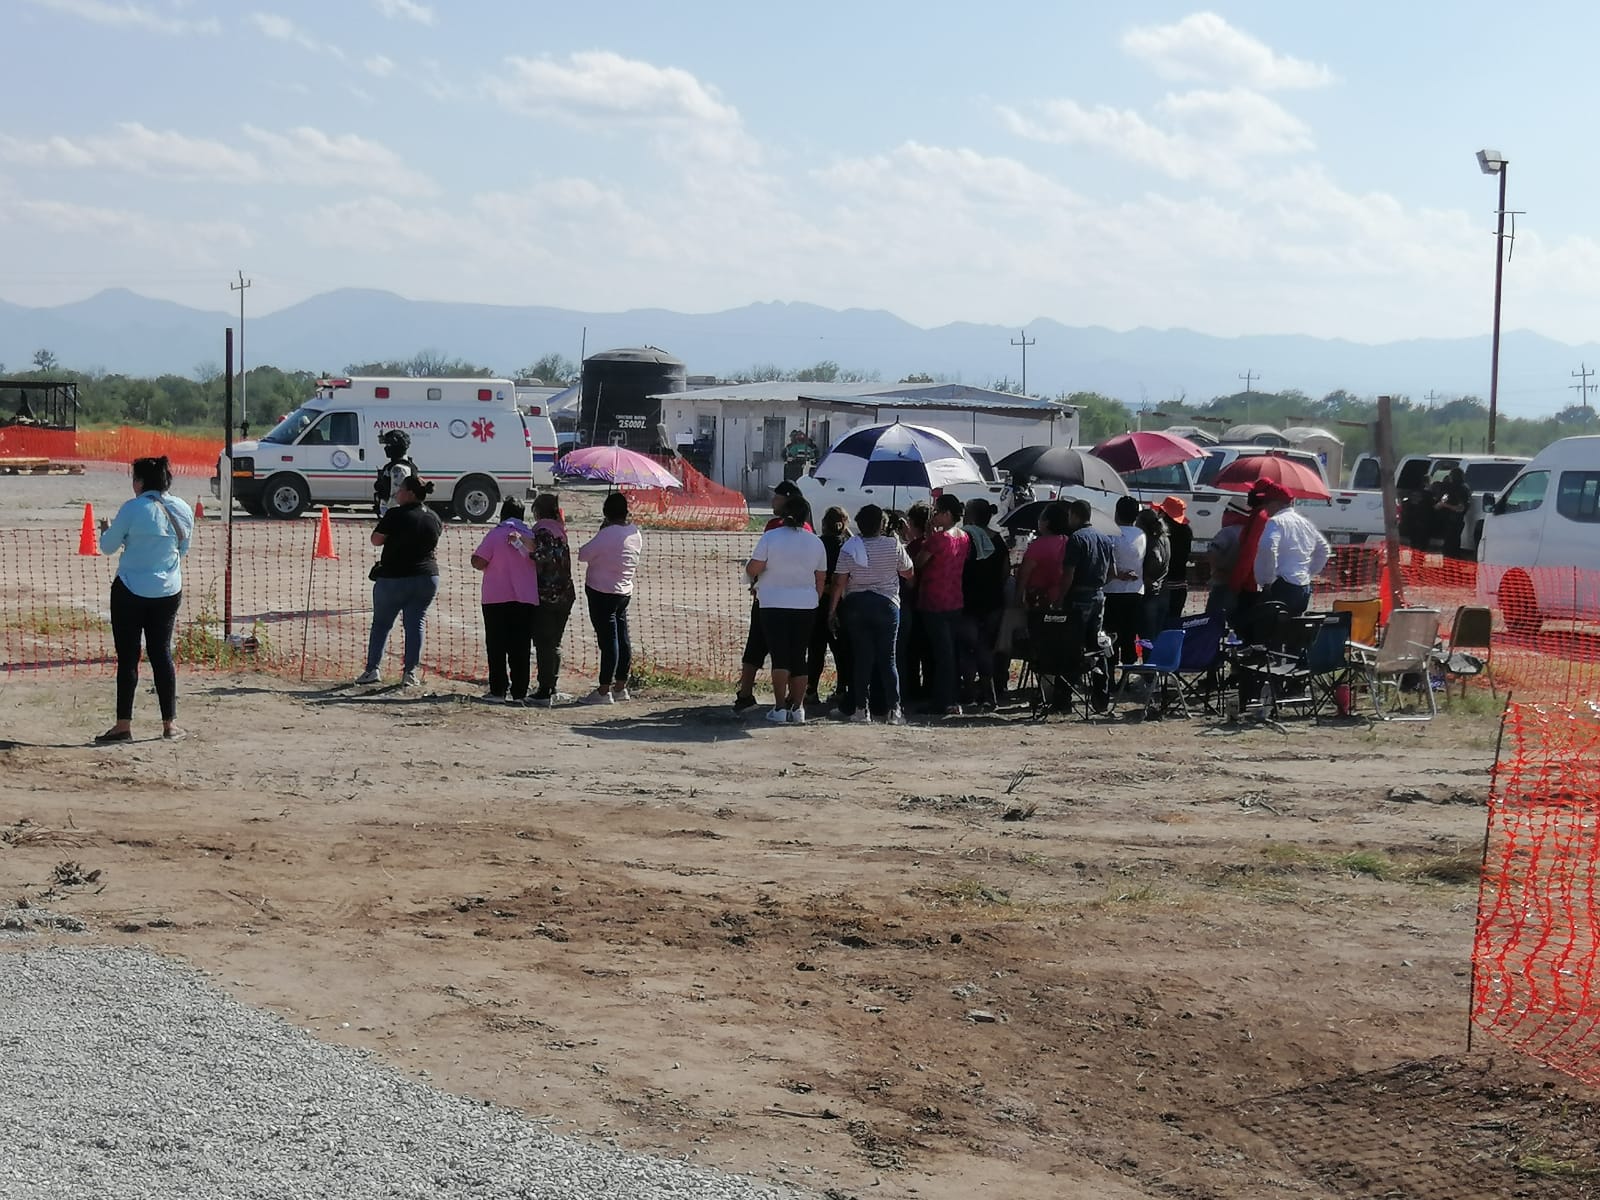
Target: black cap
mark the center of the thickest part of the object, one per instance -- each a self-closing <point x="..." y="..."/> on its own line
<point x="786" y="488"/>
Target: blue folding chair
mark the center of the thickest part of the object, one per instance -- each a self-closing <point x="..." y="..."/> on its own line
<point x="1201" y="667"/>
<point x="1160" y="668"/>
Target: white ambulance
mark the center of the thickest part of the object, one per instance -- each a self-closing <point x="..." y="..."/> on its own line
<point x="468" y="438"/>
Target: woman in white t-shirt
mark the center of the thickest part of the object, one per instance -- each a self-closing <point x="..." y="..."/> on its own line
<point x="789" y="566"/>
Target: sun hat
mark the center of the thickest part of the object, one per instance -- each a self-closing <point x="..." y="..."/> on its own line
<point x="1175" y="508"/>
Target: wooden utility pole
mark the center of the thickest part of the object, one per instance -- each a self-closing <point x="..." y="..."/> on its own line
<point x="1583" y="374"/>
<point x="1391" y="511"/>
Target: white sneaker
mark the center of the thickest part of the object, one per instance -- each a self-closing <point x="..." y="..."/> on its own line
<point x="598" y="696"/>
<point x="411" y="679"/>
<point x="897" y="717"/>
<point x="797" y="716"/>
<point x="619" y="695"/>
<point x="779" y="716"/>
<point x="861" y="717"/>
<point x="369" y="676"/>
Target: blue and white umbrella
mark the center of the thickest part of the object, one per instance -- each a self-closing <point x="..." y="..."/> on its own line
<point x="899" y="456"/>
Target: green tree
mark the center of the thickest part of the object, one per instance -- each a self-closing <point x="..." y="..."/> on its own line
<point x="45" y="361"/>
<point x="1099" y="417"/>
<point x="555" y="370"/>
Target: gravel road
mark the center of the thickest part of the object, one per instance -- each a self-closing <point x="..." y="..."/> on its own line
<point x="125" y="1074"/>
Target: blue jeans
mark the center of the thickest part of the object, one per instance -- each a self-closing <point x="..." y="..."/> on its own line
<point x="407" y="597"/>
<point x="873" y="625"/>
<point x="608" y="613"/>
<point x="941" y="627"/>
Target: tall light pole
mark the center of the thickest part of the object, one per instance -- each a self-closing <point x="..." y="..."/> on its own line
<point x="244" y="383"/>
<point x="1492" y="162"/>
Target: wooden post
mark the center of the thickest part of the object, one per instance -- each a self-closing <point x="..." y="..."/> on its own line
<point x="1391" y="514"/>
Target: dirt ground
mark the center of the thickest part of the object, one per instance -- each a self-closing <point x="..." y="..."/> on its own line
<point x="983" y="959"/>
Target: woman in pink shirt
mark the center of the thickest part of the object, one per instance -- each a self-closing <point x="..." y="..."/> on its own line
<point x="510" y="604"/>
<point x="612" y="558"/>
<point x="939" y="564"/>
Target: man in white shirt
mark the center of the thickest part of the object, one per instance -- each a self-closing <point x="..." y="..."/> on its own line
<point x="1291" y="553"/>
<point x="1125" y="586"/>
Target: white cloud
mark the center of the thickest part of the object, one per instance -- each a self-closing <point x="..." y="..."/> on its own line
<point x="303" y="156"/>
<point x="128" y="16"/>
<point x="598" y="86"/>
<point x="405" y="10"/>
<point x="281" y="29"/>
<point x="137" y="149"/>
<point x="1205" y="135"/>
<point x="188" y="241"/>
<point x="379" y="65"/>
<point x="314" y="158"/>
<point x="1205" y="47"/>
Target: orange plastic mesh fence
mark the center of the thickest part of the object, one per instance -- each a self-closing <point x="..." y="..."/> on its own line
<point x="188" y="455"/>
<point x="698" y="504"/>
<point x="311" y="617"/>
<point x="1536" y="953"/>
<point x="688" y="615"/>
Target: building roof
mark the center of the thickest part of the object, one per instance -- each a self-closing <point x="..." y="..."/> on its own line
<point x="869" y="395"/>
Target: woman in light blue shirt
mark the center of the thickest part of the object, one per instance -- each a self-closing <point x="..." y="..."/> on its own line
<point x="152" y="531"/>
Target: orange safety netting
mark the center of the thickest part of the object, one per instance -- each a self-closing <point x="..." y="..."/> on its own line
<point x="689" y="612"/>
<point x="310" y="617"/>
<point x="188" y="455"/>
<point x="1536" y="958"/>
<point x="698" y="504"/>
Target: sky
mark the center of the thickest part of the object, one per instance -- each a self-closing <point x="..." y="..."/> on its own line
<point x="1243" y="168"/>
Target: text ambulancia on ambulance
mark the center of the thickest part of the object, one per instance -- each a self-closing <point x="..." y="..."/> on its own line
<point x="467" y="437"/>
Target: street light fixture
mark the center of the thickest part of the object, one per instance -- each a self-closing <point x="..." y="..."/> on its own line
<point x="1492" y="162"/>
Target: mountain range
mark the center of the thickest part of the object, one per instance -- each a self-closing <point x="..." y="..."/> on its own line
<point x="122" y="332"/>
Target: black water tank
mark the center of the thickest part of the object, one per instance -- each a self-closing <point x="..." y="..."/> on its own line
<point x="616" y="385"/>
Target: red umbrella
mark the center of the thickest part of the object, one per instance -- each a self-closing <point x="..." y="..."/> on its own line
<point x="1148" y="448"/>
<point x="1299" y="480"/>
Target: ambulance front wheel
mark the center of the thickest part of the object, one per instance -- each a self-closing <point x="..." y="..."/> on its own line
<point x="286" y="497"/>
<point x="476" y="498"/>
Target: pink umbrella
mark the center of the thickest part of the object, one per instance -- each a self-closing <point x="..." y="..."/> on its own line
<point x="613" y="464"/>
<point x="1146" y="449"/>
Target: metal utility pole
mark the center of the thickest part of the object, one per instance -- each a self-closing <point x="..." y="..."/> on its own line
<point x="1024" y="343"/>
<point x="1492" y="162"/>
<point x="1249" y="377"/>
<point x="1583" y="374"/>
<point x="244" y="384"/>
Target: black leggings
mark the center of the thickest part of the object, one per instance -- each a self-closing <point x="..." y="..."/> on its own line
<point x="149" y="619"/>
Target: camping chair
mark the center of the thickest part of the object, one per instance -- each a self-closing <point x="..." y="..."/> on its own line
<point x="1472" y="629"/>
<point x="1160" y="670"/>
<point x="1278" y="672"/>
<point x="1068" y="671"/>
<point x="1200" y="669"/>
<point x="1364" y="617"/>
<point x="1400" y="664"/>
<point x="1328" y="661"/>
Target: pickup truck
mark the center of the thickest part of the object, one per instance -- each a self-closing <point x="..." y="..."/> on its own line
<point x="1355" y="515"/>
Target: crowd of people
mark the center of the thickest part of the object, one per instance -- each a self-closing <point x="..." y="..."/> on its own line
<point x="921" y="609"/>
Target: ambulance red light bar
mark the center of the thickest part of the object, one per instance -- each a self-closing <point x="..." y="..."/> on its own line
<point x="380" y="393"/>
<point x="485" y="394"/>
<point x="333" y="383"/>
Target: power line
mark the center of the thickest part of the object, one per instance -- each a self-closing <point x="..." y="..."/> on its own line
<point x="1024" y="343"/>
<point x="1583" y="375"/>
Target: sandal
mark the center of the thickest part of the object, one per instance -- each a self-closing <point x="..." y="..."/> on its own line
<point x="114" y="735"/>
<point x="174" y="735"/>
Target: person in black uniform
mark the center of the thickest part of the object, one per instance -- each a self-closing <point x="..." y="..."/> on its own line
<point x="1450" y="510"/>
<point x="396" y="445"/>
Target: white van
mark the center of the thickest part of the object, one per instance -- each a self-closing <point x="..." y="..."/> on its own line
<point x="1540" y="554"/>
<point x="468" y="438"/>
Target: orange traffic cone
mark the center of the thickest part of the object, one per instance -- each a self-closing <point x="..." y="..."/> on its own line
<point x="1385" y="596"/>
<point x="88" y="543"/>
<point x="199" y="509"/>
<point x="324" y="538"/>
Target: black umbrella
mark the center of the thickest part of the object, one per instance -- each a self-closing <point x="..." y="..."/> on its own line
<point x="1064" y="465"/>
<point x="1026" y="519"/>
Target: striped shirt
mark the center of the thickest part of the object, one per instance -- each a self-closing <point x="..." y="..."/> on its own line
<point x="873" y="565"/>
